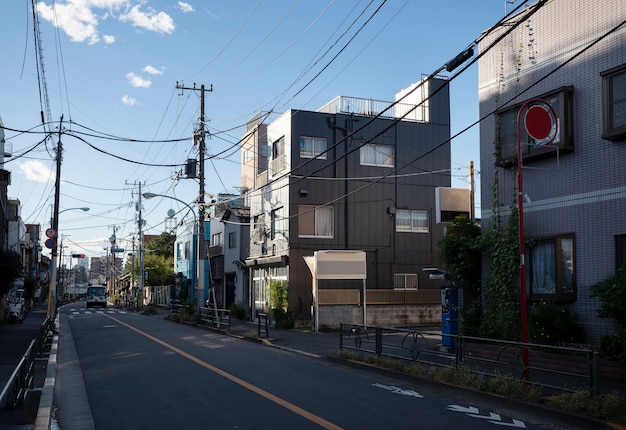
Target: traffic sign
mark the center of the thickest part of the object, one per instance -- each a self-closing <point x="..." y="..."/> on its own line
<point x="50" y="243"/>
<point x="51" y="233"/>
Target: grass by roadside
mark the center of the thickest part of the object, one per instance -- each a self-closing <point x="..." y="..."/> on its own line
<point x="607" y="407"/>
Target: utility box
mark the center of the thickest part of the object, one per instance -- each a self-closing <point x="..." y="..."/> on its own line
<point x="449" y="314"/>
<point x="191" y="168"/>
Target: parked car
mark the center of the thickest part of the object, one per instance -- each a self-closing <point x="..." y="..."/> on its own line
<point x="16" y="306"/>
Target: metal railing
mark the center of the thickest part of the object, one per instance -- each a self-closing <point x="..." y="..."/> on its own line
<point x="551" y="367"/>
<point x="14" y="392"/>
<point x="263" y="325"/>
<point x="215" y="317"/>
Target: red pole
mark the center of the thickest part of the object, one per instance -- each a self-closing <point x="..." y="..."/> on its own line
<point x="541" y="128"/>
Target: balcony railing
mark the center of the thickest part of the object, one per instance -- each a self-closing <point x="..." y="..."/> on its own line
<point x="370" y="107"/>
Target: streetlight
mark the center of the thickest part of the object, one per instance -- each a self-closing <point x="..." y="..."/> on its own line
<point x="53" y="260"/>
<point x="195" y="256"/>
<point x="539" y="121"/>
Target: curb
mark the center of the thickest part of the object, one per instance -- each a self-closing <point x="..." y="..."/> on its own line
<point x="46" y="401"/>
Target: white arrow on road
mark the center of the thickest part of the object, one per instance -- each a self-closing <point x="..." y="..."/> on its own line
<point x="492" y="417"/>
<point x="468" y="410"/>
<point x="397" y="390"/>
<point x="515" y="423"/>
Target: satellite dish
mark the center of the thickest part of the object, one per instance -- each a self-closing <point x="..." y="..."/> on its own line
<point x="171" y="213"/>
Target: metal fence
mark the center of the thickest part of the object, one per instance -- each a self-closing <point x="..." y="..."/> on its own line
<point x="219" y="318"/>
<point x="263" y="325"/>
<point x="551" y="367"/>
<point x="215" y="317"/>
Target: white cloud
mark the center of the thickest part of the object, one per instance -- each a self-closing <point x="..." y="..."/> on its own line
<point x="185" y="7"/>
<point x="128" y="100"/>
<point x="36" y="171"/>
<point x="80" y="19"/>
<point x="75" y="18"/>
<point x="150" y="20"/>
<point x="152" y="70"/>
<point x="138" y="81"/>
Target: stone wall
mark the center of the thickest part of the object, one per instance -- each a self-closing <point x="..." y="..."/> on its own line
<point x="381" y="315"/>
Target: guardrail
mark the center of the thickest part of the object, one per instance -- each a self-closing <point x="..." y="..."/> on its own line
<point x="215" y="317"/>
<point x="14" y="392"/>
<point x="552" y="367"/>
<point x="175" y="308"/>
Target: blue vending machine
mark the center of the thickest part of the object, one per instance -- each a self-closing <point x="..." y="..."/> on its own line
<point x="449" y="314"/>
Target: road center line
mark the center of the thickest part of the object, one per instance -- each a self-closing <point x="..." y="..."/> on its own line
<point x="284" y="403"/>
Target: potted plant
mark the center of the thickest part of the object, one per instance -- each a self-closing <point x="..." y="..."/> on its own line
<point x="279" y="302"/>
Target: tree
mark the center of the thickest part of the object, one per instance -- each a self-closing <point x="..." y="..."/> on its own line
<point x="160" y="269"/>
<point x="460" y="250"/>
<point x="162" y="245"/>
<point x="10" y="268"/>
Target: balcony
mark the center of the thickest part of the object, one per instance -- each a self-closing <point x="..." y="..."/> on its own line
<point x="370" y="107"/>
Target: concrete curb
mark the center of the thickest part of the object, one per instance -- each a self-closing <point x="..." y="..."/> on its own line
<point x="46" y="401"/>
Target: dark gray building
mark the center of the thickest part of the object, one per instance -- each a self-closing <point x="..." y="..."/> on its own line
<point x="357" y="174"/>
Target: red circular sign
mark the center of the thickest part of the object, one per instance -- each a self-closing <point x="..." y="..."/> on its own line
<point x="51" y="233"/>
<point x="50" y="243"/>
<point x="538" y="122"/>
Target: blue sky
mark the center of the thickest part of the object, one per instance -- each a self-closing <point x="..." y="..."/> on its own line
<point x="111" y="70"/>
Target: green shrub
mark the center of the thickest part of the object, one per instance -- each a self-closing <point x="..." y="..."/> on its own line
<point x="279" y="299"/>
<point x="551" y="324"/>
<point x="612" y="295"/>
<point x="237" y="310"/>
<point x="613" y="346"/>
<point x="470" y="317"/>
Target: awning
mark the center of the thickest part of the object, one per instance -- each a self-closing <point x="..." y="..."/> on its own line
<point x="274" y="260"/>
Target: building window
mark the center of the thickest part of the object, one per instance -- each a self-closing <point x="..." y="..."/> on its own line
<point x="277" y="224"/>
<point x="552" y="269"/>
<point x="405" y="281"/>
<point x="620" y="250"/>
<point x="316" y="221"/>
<point x="216" y="239"/>
<point x="411" y="221"/>
<point x="313" y="147"/>
<point x="506" y="126"/>
<point x="248" y="155"/>
<point x="614" y="103"/>
<point x="377" y="155"/>
<point x="278" y="156"/>
<point x="232" y="239"/>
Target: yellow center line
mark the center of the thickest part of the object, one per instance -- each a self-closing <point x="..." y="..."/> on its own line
<point x="284" y="403"/>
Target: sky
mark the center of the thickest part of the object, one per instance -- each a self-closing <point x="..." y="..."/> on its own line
<point x="111" y="71"/>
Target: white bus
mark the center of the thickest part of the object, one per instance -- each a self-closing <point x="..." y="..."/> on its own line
<point x="96" y="296"/>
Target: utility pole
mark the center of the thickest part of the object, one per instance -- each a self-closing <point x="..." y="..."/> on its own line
<point x="140" y="296"/>
<point x="470" y="172"/>
<point x="199" y="138"/>
<point x="55" y="226"/>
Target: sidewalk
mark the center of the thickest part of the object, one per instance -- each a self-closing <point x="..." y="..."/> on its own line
<point x="15" y="339"/>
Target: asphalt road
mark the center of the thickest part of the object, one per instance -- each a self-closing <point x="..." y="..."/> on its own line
<point x="121" y="370"/>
